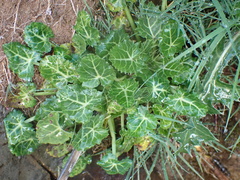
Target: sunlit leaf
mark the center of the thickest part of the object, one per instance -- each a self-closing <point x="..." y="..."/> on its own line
<point x="187" y="104"/>
<point x="149" y="27"/>
<point x="171" y="39"/>
<point x="15" y="126"/>
<point x="127" y="57"/>
<point x="56" y="70"/>
<point x="37" y="36"/>
<point x="50" y="131"/>
<point x="91" y="133"/>
<point x="21" y="59"/>
<point x="83" y="28"/>
<point x="123" y="92"/>
<point x="94" y="70"/>
<point x="112" y="165"/>
<point x="77" y="102"/>
<point x="25" y="95"/>
<point x="141" y="122"/>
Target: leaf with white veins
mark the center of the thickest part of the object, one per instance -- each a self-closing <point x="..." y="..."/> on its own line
<point x="94" y="70"/>
<point x="21" y="59"/>
<point x="91" y="133"/>
<point x="50" y="131"/>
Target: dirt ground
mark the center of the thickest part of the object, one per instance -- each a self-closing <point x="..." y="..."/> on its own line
<point x="60" y="15"/>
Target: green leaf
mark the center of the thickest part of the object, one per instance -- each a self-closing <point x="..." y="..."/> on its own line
<point x="25" y="95"/>
<point x="84" y="29"/>
<point x="159" y="87"/>
<point x="27" y="144"/>
<point x="127" y="57"/>
<point x="149" y="27"/>
<point x="141" y="122"/>
<point x="37" y="35"/>
<point x="50" y="131"/>
<point x="94" y="70"/>
<point x="21" y="136"/>
<point x="193" y="135"/>
<point x="64" y="50"/>
<point x="57" y="70"/>
<point x="160" y="110"/>
<point x="112" y="165"/>
<point x="21" y="59"/>
<point x="125" y="142"/>
<point x="79" y="44"/>
<point x="171" y="39"/>
<point x="79" y="103"/>
<point x="91" y="133"/>
<point x="81" y="164"/>
<point x="114" y="38"/>
<point x="187" y="104"/>
<point x="15" y="126"/>
<point x="58" y="150"/>
<point x="115" y="5"/>
<point x="123" y="92"/>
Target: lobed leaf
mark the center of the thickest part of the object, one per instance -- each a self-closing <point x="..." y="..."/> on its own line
<point x="112" y="165"/>
<point x="21" y="59"/>
<point x="123" y="92"/>
<point x="91" y="133"/>
<point x="94" y="70"/>
<point x="37" y="36"/>
<point x="50" y="131"/>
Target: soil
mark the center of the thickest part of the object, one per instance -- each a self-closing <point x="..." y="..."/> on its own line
<point x="60" y="15"/>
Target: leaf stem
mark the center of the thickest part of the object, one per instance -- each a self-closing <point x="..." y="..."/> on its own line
<point x="130" y="20"/>
<point x="164" y="5"/>
<point x="122" y="121"/>
<point x="112" y="132"/>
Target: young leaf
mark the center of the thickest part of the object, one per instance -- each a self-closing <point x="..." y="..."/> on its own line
<point x="91" y="133"/>
<point x="21" y="59"/>
<point x="127" y="57"/>
<point x="26" y="144"/>
<point x="25" y="96"/>
<point x="149" y="27"/>
<point x="192" y="135"/>
<point x="50" y="131"/>
<point x="37" y="35"/>
<point x="187" y="104"/>
<point x="94" y="70"/>
<point x="112" y="165"/>
<point x="16" y="126"/>
<point x="116" y="5"/>
<point x="83" y="28"/>
<point x="56" y="70"/>
<point x="141" y="122"/>
<point x="58" y="150"/>
<point x="123" y="92"/>
<point x="171" y="39"/>
<point x="78" y="103"/>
